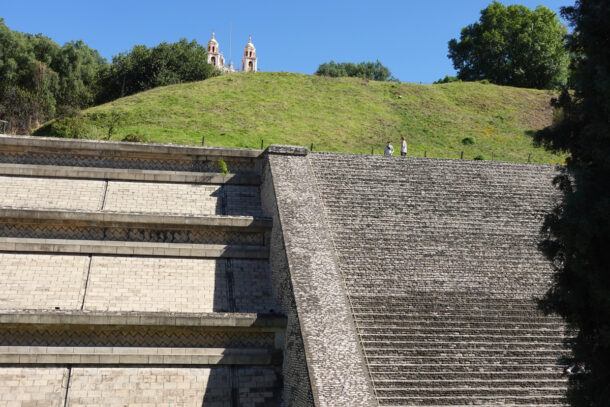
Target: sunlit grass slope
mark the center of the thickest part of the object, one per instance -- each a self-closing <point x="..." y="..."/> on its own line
<point x="343" y="115"/>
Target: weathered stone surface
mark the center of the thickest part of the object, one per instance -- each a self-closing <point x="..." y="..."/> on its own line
<point x="336" y="367"/>
<point x="42" y="281"/>
<point x="51" y="193"/>
<point x="404" y="281"/>
<point x="297" y="382"/>
<point x="286" y="150"/>
<point x="35" y="387"/>
<point x="441" y="267"/>
<point x="169" y="268"/>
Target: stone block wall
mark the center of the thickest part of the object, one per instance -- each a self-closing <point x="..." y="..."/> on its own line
<point x="297" y="382"/>
<point x="138" y="197"/>
<point x="35" y="387"/>
<point x="134" y="274"/>
<point x="336" y="368"/>
<point x="146" y="284"/>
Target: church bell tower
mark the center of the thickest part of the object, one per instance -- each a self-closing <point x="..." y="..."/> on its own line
<point x="248" y="62"/>
<point x="213" y="53"/>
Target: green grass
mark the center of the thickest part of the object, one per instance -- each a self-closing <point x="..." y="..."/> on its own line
<point x="342" y="115"/>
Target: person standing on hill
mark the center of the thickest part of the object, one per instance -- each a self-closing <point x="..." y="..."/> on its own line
<point x="403" y="146"/>
<point x="389" y="150"/>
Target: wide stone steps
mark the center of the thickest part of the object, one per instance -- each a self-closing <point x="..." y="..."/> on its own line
<point x="466" y="400"/>
<point x="458" y="325"/>
<point x="434" y="302"/>
<point x="499" y="403"/>
<point x="468" y="382"/>
<point x="473" y="391"/>
<point x="461" y="346"/>
<point x="478" y="318"/>
<point x="413" y="309"/>
<point x="463" y="367"/>
<point x="449" y="330"/>
<point x="459" y="337"/>
<point x="525" y="376"/>
<point x="460" y="352"/>
<point x="440" y="359"/>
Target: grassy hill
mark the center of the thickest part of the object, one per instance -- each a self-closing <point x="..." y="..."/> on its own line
<point x="345" y="115"/>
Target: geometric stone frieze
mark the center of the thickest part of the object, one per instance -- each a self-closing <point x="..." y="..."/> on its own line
<point x="234" y="165"/>
<point x="109" y="336"/>
<point x="133" y="234"/>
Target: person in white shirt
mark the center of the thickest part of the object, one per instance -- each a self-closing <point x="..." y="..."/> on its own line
<point x="403" y="147"/>
<point x="389" y="150"/>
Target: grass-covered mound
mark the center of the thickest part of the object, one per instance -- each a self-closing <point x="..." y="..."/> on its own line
<point x="344" y="115"/>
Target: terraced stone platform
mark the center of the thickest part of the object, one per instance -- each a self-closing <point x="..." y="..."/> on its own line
<point x="134" y="274"/>
<point x="137" y="274"/>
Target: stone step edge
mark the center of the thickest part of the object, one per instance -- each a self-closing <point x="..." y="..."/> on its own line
<point x="550" y="367"/>
<point x="121" y="219"/>
<point x="561" y="380"/>
<point x="117" y="148"/>
<point x="462" y="319"/>
<point x="147" y="249"/>
<point x="154" y="319"/>
<point x="456" y="344"/>
<point x="137" y="356"/>
<point x="444" y="314"/>
<point x="417" y="328"/>
<point x="415" y="297"/>
<point x="453" y="334"/>
<point x="470" y="405"/>
<point x="458" y="358"/>
<point x="130" y="174"/>
<point x="523" y="375"/>
<point x="460" y="350"/>
<point x="472" y="399"/>
<point x="468" y="388"/>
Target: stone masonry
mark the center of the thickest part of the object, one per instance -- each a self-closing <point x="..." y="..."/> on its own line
<point x="134" y="275"/>
<point x="440" y="264"/>
<point x="139" y="274"/>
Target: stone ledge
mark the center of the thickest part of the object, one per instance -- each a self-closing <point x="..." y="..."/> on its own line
<point x="286" y="150"/>
<point x="56" y="246"/>
<point x="98" y="146"/>
<point x="137" y="356"/>
<point x="157" y="319"/>
<point x="129" y="174"/>
<point x="118" y="219"/>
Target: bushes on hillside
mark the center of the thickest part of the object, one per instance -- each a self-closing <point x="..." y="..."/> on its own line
<point x="145" y="68"/>
<point x="367" y="70"/>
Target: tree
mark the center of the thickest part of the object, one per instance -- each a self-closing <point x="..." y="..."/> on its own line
<point x="145" y="68"/>
<point x="39" y="79"/>
<point x="368" y="70"/>
<point x="513" y="46"/>
<point x="576" y="235"/>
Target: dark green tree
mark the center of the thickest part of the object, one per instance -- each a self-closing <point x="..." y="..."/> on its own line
<point x="39" y="79"/>
<point x="368" y="70"/>
<point x="145" y="68"/>
<point x="576" y="235"/>
<point x="513" y="45"/>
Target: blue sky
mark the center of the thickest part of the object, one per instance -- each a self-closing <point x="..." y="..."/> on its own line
<point x="409" y="36"/>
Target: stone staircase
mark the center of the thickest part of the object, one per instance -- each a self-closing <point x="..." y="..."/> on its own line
<point x="441" y="269"/>
<point x="451" y="349"/>
<point x="135" y="273"/>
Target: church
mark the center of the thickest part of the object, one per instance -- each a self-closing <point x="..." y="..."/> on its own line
<point x="216" y="58"/>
